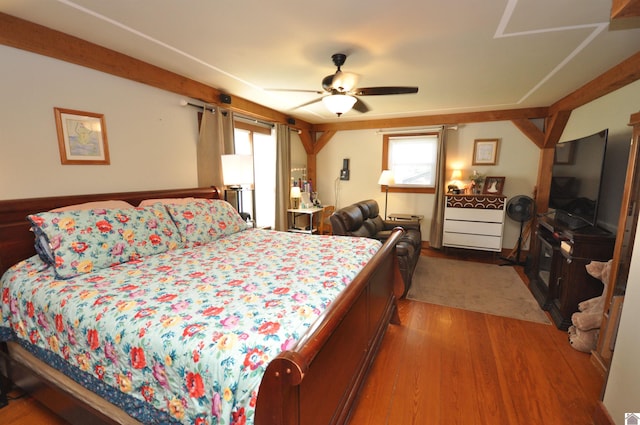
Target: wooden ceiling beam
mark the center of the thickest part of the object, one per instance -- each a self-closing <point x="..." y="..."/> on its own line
<point x="625" y="9"/>
<point x="617" y="77"/>
<point x="25" y="35"/>
<point x="429" y="120"/>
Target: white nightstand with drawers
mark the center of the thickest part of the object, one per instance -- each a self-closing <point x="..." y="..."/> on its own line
<point x="474" y="222"/>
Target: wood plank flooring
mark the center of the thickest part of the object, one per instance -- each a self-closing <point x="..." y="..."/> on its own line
<point x="450" y="366"/>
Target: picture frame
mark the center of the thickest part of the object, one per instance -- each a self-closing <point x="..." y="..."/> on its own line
<point x="485" y="151"/>
<point x="563" y="154"/>
<point x="82" y="137"/>
<point x="493" y="185"/>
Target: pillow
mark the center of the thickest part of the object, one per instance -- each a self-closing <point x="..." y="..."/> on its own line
<point x="95" y="205"/>
<point x="41" y="244"/>
<point x="84" y="240"/>
<point x="180" y="201"/>
<point x="205" y="220"/>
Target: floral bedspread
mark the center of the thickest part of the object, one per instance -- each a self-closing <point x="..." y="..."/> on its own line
<point x="188" y="331"/>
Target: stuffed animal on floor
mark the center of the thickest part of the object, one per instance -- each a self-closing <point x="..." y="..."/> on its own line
<point x="584" y="341"/>
<point x="583" y="334"/>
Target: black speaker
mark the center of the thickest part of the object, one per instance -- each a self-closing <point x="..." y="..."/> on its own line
<point x="344" y="173"/>
<point x="225" y="98"/>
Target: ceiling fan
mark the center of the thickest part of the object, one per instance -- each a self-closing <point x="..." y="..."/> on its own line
<point x="342" y="91"/>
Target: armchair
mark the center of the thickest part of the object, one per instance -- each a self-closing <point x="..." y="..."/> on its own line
<point x="363" y="219"/>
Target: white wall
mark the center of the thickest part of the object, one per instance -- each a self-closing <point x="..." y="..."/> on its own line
<point x="622" y="394"/>
<point x="517" y="161"/>
<point x="152" y="139"/>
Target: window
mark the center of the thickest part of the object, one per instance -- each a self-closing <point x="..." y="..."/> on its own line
<point x="413" y="159"/>
<point x="256" y="140"/>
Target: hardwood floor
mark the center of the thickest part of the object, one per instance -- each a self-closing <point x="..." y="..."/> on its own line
<point x="449" y="366"/>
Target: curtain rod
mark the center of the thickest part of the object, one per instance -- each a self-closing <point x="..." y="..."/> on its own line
<point x="416" y="130"/>
<point x="204" y="107"/>
<point x="253" y="120"/>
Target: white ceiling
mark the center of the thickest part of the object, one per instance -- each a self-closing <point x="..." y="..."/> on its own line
<point x="464" y="55"/>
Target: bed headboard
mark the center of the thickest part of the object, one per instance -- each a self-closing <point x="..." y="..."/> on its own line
<point x="16" y="240"/>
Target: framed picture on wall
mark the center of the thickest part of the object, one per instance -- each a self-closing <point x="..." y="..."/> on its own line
<point x="493" y="185"/>
<point x="82" y="137"/>
<point x="485" y="151"/>
<point x="563" y="154"/>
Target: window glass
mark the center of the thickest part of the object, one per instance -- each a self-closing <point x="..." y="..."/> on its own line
<point x="262" y="145"/>
<point x="413" y="159"/>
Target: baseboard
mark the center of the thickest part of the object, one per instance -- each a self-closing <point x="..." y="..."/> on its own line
<point x="601" y="415"/>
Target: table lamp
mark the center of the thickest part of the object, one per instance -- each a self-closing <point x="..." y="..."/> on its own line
<point x="237" y="173"/>
<point x="295" y="196"/>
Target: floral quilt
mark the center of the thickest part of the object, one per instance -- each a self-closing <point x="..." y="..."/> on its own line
<point x="186" y="333"/>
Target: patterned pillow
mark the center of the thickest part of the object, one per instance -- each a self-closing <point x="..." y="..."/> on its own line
<point x="84" y="240"/>
<point x="205" y="220"/>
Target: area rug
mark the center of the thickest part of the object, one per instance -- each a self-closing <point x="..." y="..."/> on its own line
<point x="484" y="288"/>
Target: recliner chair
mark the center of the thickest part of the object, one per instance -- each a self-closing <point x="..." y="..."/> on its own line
<point x="363" y="219"/>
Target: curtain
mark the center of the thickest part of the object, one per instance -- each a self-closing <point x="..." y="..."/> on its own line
<point x="216" y="139"/>
<point x="283" y="175"/>
<point x="437" y="220"/>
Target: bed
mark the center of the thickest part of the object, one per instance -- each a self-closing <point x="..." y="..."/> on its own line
<point x="313" y="372"/>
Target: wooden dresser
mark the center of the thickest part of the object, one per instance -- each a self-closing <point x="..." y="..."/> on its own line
<point x="474" y="222"/>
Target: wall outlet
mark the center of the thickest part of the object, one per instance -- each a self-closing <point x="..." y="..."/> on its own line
<point x="344" y="174"/>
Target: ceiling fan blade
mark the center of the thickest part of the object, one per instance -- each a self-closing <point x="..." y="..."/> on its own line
<point x="308" y="103"/>
<point x="377" y="91"/>
<point x="297" y="90"/>
<point x="360" y="106"/>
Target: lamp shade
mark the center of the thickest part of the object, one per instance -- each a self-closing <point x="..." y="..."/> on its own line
<point x="237" y="170"/>
<point x="339" y="103"/>
<point x="295" y="192"/>
<point x="456" y="175"/>
<point x="386" y="178"/>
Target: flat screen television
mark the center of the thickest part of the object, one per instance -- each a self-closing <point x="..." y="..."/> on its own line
<point x="576" y="180"/>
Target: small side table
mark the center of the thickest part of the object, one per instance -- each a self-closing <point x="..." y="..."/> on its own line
<point x="294" y="213"/>
<point x="406" y="217"/>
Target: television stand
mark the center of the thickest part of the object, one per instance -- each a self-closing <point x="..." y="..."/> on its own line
<point x="569" y="221"/>
<point x="558" y="278"/>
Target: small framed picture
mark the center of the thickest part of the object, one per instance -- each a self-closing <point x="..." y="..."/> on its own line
<point x="493" y="185"/>
<point x="82" y="137"/>
<point x="563" y="154"/>
<point x="485" y="151"/>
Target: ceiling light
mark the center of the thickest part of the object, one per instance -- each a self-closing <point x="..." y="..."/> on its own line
<point x="339" y="103"/>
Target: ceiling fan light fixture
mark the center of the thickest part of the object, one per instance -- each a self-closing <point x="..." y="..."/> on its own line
<point x="339" y="103"/>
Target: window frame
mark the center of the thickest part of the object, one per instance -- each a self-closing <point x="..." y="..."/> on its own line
<point x="385" y="163"/>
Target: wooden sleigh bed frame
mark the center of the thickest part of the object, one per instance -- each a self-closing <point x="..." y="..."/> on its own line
<point x="316" y="382"/>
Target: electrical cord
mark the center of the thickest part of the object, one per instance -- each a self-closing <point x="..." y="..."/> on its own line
<point x="336" y="191"/>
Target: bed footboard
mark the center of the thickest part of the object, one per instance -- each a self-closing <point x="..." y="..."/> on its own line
<point x="318" y="380"/>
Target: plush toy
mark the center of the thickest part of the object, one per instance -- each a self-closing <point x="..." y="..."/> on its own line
<point x="584" y="341"/>
<point x="583" y="334"/>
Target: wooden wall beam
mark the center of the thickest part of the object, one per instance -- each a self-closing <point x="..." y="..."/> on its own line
<point x="555" y="127"/>
<point x="530" y="130"/>
<point x="323" y="140"/>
